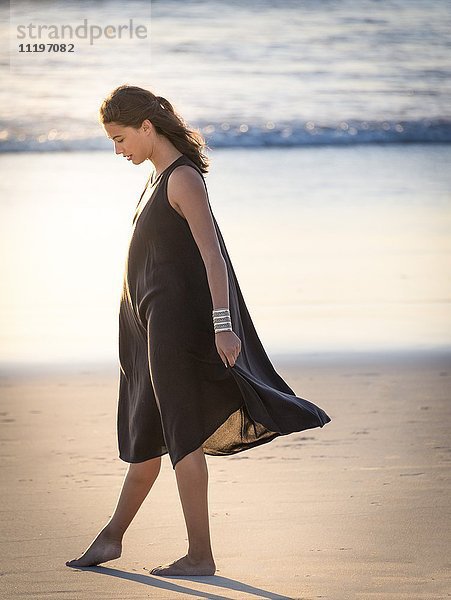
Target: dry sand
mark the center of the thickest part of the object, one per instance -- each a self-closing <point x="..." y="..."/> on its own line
<point x="356" y="510"/>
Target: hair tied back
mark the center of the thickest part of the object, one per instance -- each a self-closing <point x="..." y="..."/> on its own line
<point x="130" y="106"/>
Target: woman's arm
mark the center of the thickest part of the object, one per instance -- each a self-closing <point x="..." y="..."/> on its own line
<point x="187" y="195"/>
<point x="186" y="191"/>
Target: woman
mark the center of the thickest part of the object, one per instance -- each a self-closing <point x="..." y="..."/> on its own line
<point x="194" y="377"/>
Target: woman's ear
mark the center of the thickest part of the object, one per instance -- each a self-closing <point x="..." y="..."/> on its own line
<point x="147" y="127"/>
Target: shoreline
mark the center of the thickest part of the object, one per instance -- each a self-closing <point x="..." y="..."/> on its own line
<point x="406" y="356"/>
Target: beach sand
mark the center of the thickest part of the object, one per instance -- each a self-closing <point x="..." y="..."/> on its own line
<point x="358" y="509"/>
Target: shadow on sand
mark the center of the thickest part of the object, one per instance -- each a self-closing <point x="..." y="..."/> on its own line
<point x="216" y="581"/>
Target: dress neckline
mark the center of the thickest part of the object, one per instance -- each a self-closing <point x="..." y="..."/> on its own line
<point x="163" y="171"/>
<point x="152" y="183"/>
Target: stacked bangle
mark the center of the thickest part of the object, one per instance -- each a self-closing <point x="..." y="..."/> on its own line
<point x="221" y="320"/>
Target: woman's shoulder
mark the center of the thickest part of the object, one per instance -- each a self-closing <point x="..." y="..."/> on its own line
<point x="186" y="173"/>
<point x="186" y="184"/>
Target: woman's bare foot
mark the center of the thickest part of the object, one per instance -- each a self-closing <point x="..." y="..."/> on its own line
<point x="102" y="549"/>
<point x="186" y="566"/>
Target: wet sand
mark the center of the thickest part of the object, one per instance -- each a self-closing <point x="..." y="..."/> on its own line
<point x="356" y="510"/>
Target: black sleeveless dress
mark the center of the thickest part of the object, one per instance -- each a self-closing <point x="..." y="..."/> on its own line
<point x="175" y="393"/>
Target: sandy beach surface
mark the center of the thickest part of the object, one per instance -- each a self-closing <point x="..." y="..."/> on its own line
<point x="356" y="510"/>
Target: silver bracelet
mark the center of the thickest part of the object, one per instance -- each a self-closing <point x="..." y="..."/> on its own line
<point x="221" y="320"/>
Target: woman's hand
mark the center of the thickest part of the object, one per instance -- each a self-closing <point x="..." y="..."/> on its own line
<point x="228" y="345"/>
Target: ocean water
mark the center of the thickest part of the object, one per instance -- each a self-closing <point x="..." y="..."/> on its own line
<point x="328" y="125"/>
<point x="335" y="251"/>
<point x="255" y="74"/>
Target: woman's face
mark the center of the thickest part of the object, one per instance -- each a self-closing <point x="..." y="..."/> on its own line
<point x="133" y="144"/>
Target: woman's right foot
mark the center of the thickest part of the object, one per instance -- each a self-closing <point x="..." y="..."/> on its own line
<point x="102" y="549"/>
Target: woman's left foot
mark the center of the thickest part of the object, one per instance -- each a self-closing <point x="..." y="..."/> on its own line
<point x="186" y="566"/>
<point x="102" y="549"/>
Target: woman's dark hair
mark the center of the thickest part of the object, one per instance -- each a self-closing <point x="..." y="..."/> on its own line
<point x="129" y="106"/>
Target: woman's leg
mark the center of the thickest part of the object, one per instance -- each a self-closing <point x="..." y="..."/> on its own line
<point x="137" y="483"/>
<point x="192" y="481"/>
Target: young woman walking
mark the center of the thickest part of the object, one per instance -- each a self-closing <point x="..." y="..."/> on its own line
<point x="194" y="376"/>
